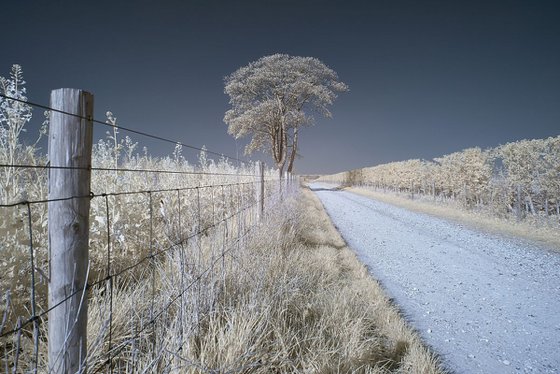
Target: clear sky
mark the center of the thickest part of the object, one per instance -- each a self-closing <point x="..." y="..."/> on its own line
<point x="426" y="77"/>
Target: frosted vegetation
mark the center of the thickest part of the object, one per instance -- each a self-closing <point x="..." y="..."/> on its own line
<point x="127" y="212"/>
<point x="516" y="180"/>
<point x="200" y="198"/>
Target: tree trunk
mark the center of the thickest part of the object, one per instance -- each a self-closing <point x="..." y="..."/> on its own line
<point x="518" y="203"/>
<point x="294" y="151"/>
<point x="280" y="167"/>
<point x="279" y="151"/>
<point x="280" y="170"/>
<point x="531" y="205"/>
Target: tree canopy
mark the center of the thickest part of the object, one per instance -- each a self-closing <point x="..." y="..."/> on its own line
<point x="271" y="98"/>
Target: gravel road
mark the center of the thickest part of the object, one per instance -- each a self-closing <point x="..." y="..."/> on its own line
<point x="484" y="303"/>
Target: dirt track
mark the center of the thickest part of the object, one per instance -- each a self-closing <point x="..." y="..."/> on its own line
<point x="486" y="304"/>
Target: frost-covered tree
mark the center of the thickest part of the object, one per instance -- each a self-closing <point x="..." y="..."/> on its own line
<point x="551" y="177"/>
<point x="522" y="161"/>
<point x="271" y="98"/>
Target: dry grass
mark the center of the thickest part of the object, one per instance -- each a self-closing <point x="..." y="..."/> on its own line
<point x="546" y="236"/>
<point x="295" y="299"/>
<point x="374" y="337"/>
<point x="306" y="305"/>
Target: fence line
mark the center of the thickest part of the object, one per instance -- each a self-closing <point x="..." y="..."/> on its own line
<point x="122" y="193"/>
<point x="187" y="223"/>
<point x="153" y="255"/>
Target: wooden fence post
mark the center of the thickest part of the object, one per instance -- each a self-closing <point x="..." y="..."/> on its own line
<point x="70" y="146"/>
<point x="518" y="212"/>
<point x="260" y="190"/>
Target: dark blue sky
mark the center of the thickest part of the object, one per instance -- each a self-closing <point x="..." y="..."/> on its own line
<point x="426" y="77"/>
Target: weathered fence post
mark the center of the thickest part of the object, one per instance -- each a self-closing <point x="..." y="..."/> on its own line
<point x="260" y="190"/>
<point x="518" y="212"/>
<point x="70" y="145"/>
<point x="291" y="182"/>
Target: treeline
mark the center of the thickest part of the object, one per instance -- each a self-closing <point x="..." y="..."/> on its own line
<point x="521" y="178"/>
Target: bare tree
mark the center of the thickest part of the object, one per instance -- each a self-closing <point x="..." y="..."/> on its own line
<point x="273" y="97"/>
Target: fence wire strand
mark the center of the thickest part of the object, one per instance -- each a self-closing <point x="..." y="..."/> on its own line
<point x="121" y="193"/>
<point x="123" y="169"/>
<point x="130" y="130"/>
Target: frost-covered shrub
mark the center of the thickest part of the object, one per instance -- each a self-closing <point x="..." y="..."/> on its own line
<point x="19" y="184"/>
<point x="516" y="179"/>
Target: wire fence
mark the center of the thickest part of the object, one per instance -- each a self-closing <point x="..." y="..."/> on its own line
<point x="162" y="235"/>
